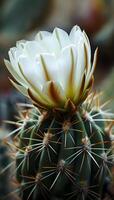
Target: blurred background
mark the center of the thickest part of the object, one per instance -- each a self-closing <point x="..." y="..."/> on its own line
<point x="21" y="19"/>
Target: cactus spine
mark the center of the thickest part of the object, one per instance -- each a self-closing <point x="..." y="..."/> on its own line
<point x="64" y="155"/>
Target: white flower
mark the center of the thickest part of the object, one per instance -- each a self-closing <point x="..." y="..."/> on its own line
<point x="53" y="69"/>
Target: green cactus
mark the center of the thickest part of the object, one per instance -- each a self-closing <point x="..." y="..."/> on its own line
<point x="64" y="155"/>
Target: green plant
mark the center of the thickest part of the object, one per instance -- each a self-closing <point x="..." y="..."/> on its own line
<point x="64" y="147"/>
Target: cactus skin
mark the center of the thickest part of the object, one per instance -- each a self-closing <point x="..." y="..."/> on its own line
<point x="63" y="155"/>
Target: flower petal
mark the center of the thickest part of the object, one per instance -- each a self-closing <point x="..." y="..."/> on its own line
<point x="14" y="54"/>
<point x="41" y="35"/>
<point x="40" y="99"/>
<point x="79" y="90"/>
<point x="21" y="89"/>
<point x="87" y="49"/>
<point x="13" y="72"/>
<point x="76" y="35"/>
<point x="67" y="66"/>
<point x="21" y="44"/>
<point x="80" y="63"/>
<point x="55" y="92"/>
<point x="31" y="70"/>
<point x="61" y="37"/>
<point x="48" y="63"/>
<point x="31" y="76"/>
<point x="33" y="49"/>
<point x="90" y="74"/>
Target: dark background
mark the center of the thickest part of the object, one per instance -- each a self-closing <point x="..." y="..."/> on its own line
<point x="22" y="19"/>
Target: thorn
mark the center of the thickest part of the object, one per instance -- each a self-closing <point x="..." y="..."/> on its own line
<point x="70" y="106"/>
<point x="108" y="129"/>
<point x="43" y="116"/>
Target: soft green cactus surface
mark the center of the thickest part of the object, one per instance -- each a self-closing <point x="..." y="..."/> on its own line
<point x="64" y="155"/>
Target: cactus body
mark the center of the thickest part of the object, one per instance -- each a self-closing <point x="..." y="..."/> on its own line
<point x="63" y="155"/>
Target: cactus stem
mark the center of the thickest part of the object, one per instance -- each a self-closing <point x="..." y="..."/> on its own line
<point x="58" y="150"/>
